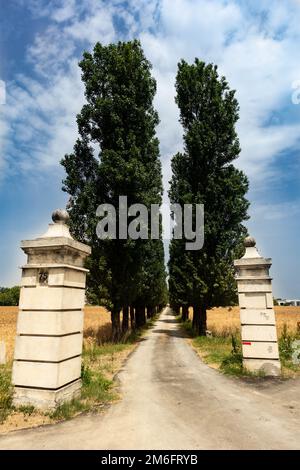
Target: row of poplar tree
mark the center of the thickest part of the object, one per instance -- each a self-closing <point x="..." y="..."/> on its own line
<point x="117" y="154"/>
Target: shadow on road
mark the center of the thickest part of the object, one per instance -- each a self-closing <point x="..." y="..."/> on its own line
<point x="171" y="320"/>
<point x="178" y="333"/>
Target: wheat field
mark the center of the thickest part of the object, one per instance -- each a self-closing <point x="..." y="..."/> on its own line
<point x="97" y="326"/>
<point x="223" y="320"/>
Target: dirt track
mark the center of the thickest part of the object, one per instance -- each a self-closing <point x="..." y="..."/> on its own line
<point x="171" y="400"/>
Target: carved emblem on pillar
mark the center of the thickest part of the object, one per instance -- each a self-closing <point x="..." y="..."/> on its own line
<point x="47" y="359"/>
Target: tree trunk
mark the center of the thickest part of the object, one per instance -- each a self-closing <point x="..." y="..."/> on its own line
<point x="132" y="317"/>
<point x="148" y="312"/>
<point x="138" y="323"/>
<point x="140" y="317"/>
<point x="196" y="319"/>
<point x="115" y="324"/>
<point x="203" y="321"/>
<point x="125" y="322"/>
<point x="199" y="320"/>
<point x="185" y="312"/>
<point x="143" y="312"/>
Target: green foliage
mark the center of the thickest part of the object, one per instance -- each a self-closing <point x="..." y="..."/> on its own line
<point x="86" y="375"/>
<point x="286" y="348"/>
<point x="236" y="345"/>
<point x="233" y="362"/>
<point x="98" y="389"/>
<point x="27" y="409"/>
<point x="187" y="325"/>
<point x="118" y="120"/>
<point x="233" y="365"/>
<point x="6" y="392"/>
<point x="204" y="173"/>
<point x="225" y="352"/>
<point x="93" y="352"/>
<point x="222" y="349"/>
<point x="9" y="296"/>
<point x="285" y="343"/>
<point x="67" y="410"/>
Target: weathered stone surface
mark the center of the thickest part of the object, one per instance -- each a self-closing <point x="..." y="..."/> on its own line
<point x="48" y="375"/>
<point x="58" y="275"/>
<point x="266" y="366"/>
<point x="255" y="285"/>
<point x="51" y="298"/>
<point x="259" y="333"/>
<point x="253" y="300"/>
<point x="260" y="350"/>
<point x="257" y="316"/>
<point x="46" y="399"/>
<point x="259" y="336"/>
<point x="48" y="347"/>
<point x="50" y="323"/>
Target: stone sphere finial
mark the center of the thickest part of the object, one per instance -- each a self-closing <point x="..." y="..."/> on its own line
<point x="60" y="216"/>
<point x="249" y="242"/>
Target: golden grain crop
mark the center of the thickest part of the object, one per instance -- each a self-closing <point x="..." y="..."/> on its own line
<point x="97" y="326"/>
<point x="222" y="320"/>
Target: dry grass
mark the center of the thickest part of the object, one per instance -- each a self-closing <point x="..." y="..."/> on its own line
<point x="216" y="351"/>
<point x="97" y="326"/>
<point x="224" y="321"/>
<point x="18" y="420"/>
<point x="97" y="330"/>
<point x="105" y="360"/>
<point x="8" y="326"/>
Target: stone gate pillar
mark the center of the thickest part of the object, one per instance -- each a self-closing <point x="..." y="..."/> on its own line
<point x="258" y="328"/>
<point x="47" y="359"/>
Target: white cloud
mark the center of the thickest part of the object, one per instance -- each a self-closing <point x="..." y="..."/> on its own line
<point x="92" y="28"/>
<point x="51" y="52"/>
<point x="258" y="62"/>
<point x="259" y="58"/>
<point x="66" y="12"/>
<point x="38" y="8"/>
<point x="43" y="119"/>
<point x="255" y="45"/>
<point x="40" y="117"/>
<point x="279" y="211"/>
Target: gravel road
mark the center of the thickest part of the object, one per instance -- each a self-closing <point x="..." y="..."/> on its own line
<point x="171" y="400"/>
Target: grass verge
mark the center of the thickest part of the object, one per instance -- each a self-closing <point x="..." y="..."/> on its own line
<point x="100" y="364"/>
<point x="222" y="351"/>
<point x="5" y="392"/>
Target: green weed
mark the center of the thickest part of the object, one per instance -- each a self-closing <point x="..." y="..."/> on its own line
<point x="6" y="392"/>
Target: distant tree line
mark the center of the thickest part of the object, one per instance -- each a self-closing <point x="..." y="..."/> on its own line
<point x="9" y="296"/>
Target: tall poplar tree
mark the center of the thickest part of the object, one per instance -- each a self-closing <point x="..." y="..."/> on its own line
<point x="117" y="154"/>
<point x="204" y="174"/>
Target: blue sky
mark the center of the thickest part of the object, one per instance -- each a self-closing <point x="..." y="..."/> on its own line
<point x="256" y="46"/>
